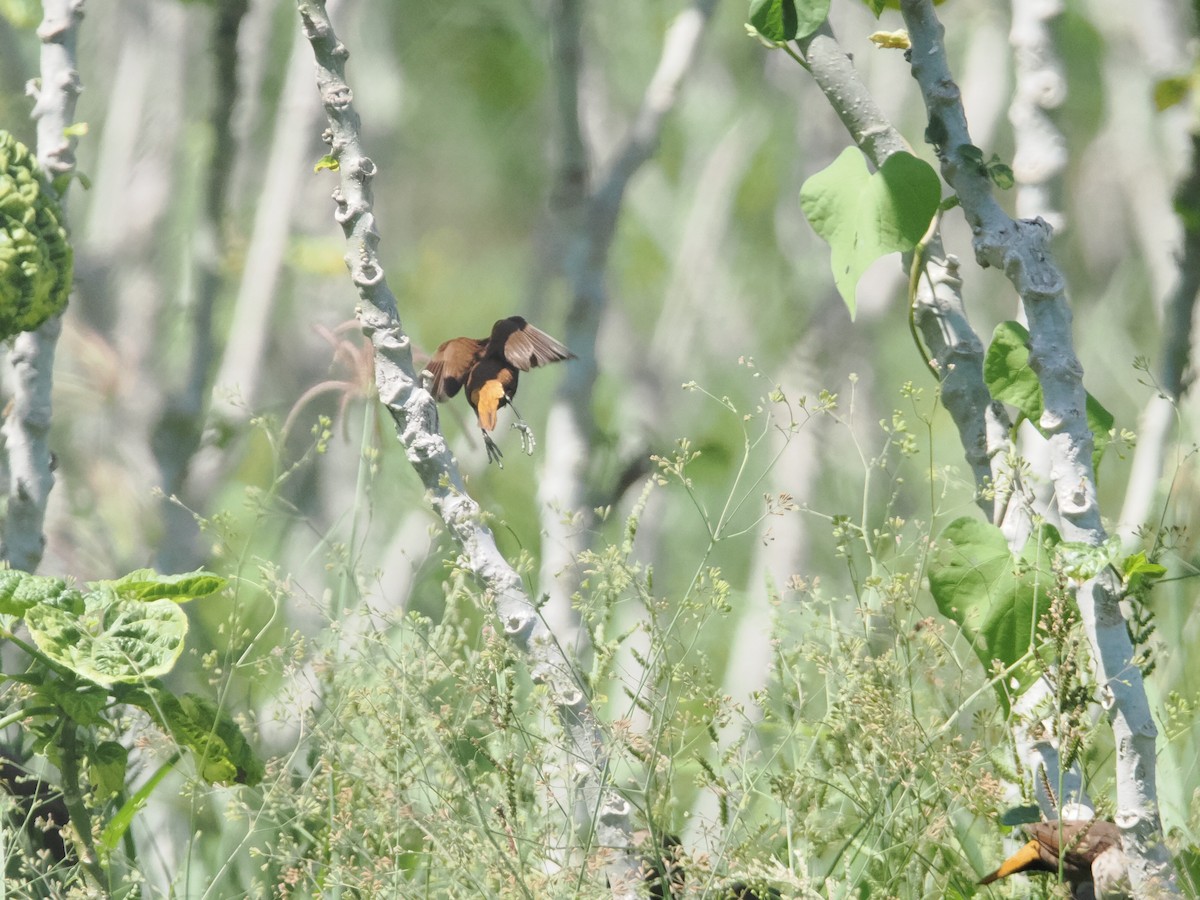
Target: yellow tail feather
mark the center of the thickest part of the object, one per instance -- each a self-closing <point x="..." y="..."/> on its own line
<point x="491" y="395"/>
<point x="1015" y="863"/>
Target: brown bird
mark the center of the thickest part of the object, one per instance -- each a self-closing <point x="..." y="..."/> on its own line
<point x="1071" y="845"/>
<point x="489" y="368"/>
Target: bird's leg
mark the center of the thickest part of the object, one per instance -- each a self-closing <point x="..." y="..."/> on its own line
<point x="493" y="452"/>
<point x="527" y="440"/>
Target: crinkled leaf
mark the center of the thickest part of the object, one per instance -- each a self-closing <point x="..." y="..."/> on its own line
<point x="891" y="40"/>
<point x="786" y="20"/>
<point x="146" y="584"/>
<point x="994" y="598"/>
<point x="20" y="590"/>
<point x="1083" y="561"/>
<point x="112" y="639"/>
<point x="36" y="260"/>
<point x="222" y="752"/>
<point x="864" y="216"/>
<point x="1011" y="380"/>
<point x="109" y="761"/>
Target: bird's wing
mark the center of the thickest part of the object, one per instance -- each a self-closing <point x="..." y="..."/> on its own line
<point x="529" y="347"/>
<point x="451" y="365"/>
<point x="1078" y="843"/>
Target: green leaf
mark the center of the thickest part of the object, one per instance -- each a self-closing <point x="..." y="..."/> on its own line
<point x="786" y="20"/>
<point x="1007" y="373"/>
<point x="223" y="754"/>
<point x="109" y="639"/>
<point x="82" y="702"/>
<point x="1011" y="380"/>
<point x="1140" y="573"/>
<point x="146" y="584"/>
<point x="111" y="836"/>
<point x="994" y="598"/>
<point x="1171" y="91"/>
<point x="1001" y="175"/>
<point x="864" y="216"/>
<point x="21" y="13"/>
<point x="109" y="761"/>
<point x="328" y="161"/>
<point x="1083" y="561"/>
<point x="19" y="591"/>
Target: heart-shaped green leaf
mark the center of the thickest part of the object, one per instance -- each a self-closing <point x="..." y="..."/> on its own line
<point x="864" y="216"/>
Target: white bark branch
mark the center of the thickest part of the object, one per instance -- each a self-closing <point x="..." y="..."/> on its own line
<point x="601" y="809"/>
<point x="1021" y="250"/>
<point x="26" y="429"/>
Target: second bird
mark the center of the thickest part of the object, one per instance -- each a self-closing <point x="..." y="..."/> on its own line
<point x="489" y="369"/>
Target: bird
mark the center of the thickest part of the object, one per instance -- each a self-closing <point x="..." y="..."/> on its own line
<point x="489" y="368"/>
<point x="1067" y="846"/>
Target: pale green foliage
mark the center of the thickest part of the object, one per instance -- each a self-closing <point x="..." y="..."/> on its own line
<point x="433" y="767"/>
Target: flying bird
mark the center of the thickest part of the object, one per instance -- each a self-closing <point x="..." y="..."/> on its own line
<point x="489" y="368"/>
<point x="1072" y="846"/>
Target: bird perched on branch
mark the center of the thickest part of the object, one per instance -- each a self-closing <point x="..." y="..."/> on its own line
<point x="1072" y="847"/>
<point x="489" y="368"/>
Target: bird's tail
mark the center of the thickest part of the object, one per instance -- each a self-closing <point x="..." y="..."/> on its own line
<point x="491" y="398"/>
<point x="1018" y="862"/>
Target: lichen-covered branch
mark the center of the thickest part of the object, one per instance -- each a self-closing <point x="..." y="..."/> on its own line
<point x="1021" y="250"/>
<point x="414" y="411"/>
<point x="591" y="217"/>
<point x="27" y="426"/>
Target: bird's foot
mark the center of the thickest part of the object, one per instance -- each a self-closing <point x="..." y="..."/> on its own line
<point x="527" y="441"/>
<point x="493" y="452"/>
